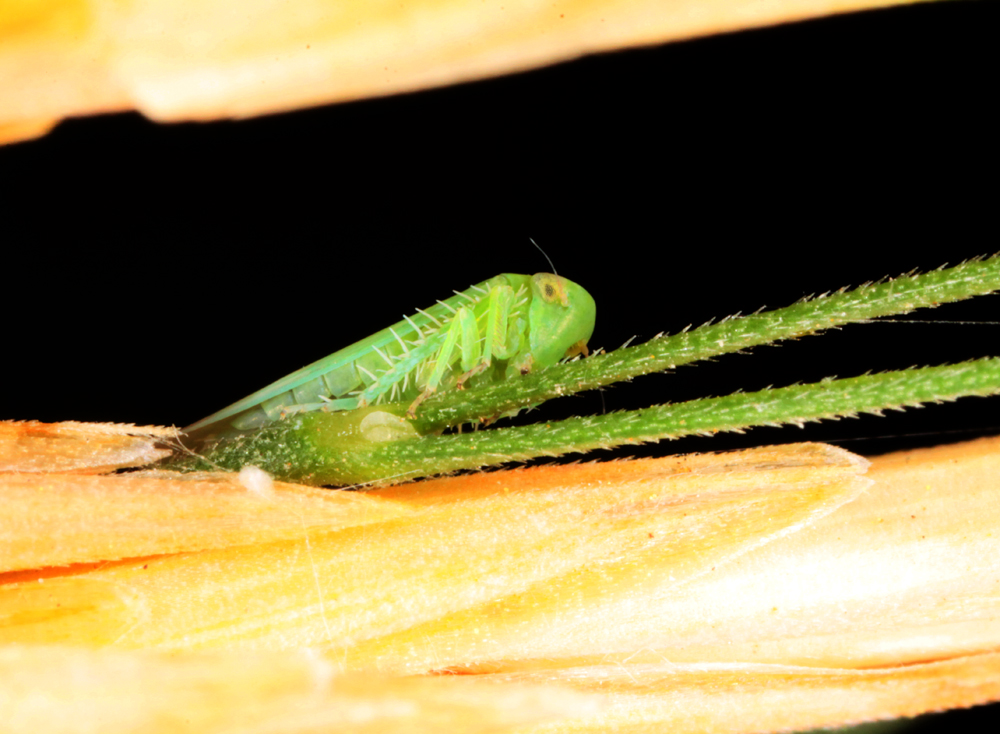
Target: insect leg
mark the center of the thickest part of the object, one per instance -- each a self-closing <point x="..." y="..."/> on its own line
<point x="498" y="310"/>
<point x="497" y="341"/>
<point x="462" y="333"/>
<point x="507" y="331"/>
<point x="469" y="342"/>
<point x="400" y="369"/>
<point x="521" y="359"/>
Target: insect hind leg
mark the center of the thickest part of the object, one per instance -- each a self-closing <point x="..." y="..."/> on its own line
<point x="462" y="335"/>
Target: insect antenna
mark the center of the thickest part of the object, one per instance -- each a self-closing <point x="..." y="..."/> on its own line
<point x="551" y="264"/>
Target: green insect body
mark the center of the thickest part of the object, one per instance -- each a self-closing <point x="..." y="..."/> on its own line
<point x="508" y="325"/>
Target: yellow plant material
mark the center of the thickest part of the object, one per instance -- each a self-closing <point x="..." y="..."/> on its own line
<point x="83" y="448"/>
<point x="774" y="589"/>
<point x="45" y="690"/>
<point x="904" y="573"/>
<point x="470" y="541"/>
<point x="721" y="698"/>
<point x="64" y="519"/>
<point x="210" y="59"/>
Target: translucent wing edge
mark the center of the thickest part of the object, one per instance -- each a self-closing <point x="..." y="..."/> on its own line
<point x="441" y="311"/>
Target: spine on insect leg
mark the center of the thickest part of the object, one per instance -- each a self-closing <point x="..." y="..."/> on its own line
<point x="403" y="380"/>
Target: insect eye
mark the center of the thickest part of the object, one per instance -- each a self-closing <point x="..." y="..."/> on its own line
<point x="551" y="288"/>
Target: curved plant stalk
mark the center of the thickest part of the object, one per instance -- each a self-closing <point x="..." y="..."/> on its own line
<point x="378" y="444"/>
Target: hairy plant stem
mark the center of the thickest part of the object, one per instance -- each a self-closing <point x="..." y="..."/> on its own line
<point x="310" y="447"/>
<point x="380" y="444"/>
<point x="890" y="297"/>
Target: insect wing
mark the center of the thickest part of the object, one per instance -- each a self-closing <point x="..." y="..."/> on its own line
<point x="428" y="319"/>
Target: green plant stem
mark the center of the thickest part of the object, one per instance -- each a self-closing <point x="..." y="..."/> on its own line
<point x="890" y="297"/>
<point x="306" y="449"/>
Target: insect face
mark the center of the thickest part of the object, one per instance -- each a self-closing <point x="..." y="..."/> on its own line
<point x="561" y="318"/>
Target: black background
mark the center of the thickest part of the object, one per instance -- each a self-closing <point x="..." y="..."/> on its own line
<point x="155" y="273"/>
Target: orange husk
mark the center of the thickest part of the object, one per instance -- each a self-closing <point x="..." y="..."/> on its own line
<point x="82" y="448"/>
<point x="65" y="519"/>
<point x="470" y="541"/>
<point x="809" y="609"/>
<point x="721" y="698"/>
<point x="14" y="132"/>
<point x="904" y="573"/>
<point x="201" y="59"/>
<point x="50" y="689"/>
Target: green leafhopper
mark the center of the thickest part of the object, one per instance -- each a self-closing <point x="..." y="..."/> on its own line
<point x="505" y="326"/>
